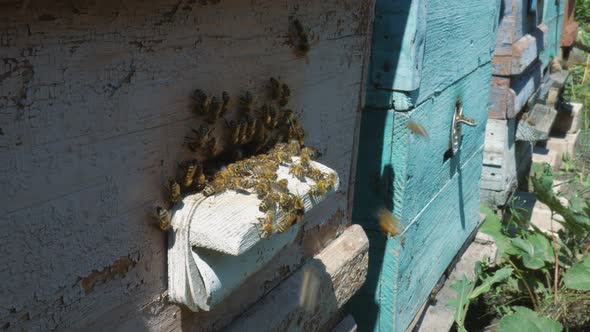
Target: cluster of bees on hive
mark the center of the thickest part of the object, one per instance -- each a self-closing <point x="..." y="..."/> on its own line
<point x="242" y="151"/>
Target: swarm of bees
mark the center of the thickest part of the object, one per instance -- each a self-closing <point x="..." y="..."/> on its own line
<point x="242" y="151"/>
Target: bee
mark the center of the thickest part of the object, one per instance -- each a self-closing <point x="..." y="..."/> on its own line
<point x="224" y="102"/>
<point x="330" y="181"/>
<point x="388" y="222"/>
<point x="317" y="190"/>
<point x="283" y="183"/>
<point x="417" y="129"/>
<point x="287" y="116"/>
<point x="191" y="169"/>
<point x="308" y="152"/>
<point x="296" y="132"/>
<point x="237" y="169"/>
<point x="209" y="190"/>
<point x="262" y="173"/>
<point x="298" y="171"/>
<point x="267" y="204"/>
<point x="212" y="148"/>
<point x="285" y="201"/>
<point x="203" y="102"/>
<point x="163" y="217"/>
<point x="282" y="157"/>
<point x="299" y="38"/>
<point x="201" y="139"/>
<point x="199" y="177"/>
<point x="252" y="127"/>
<point x="294" y="147"/>
<point x="266" y="115"/>
<point x="285" y="94"/>
<point x="275" y="89"/>
<point x="174" y="189"/>
<point x="262" y="188"/>
<point x="287" y="221"/>
<point x="246" y="101"/>
<point x="298" y="205"/>
<point x="215" y="110"/>
<point x="314" y="173"/>
<point x="247" y="183"/>
<point x="266" y="225"/>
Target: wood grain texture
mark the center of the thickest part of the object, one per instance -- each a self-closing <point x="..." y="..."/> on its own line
<point x="498" y="176"/>
<point x="517" y="19"/>
<point x="524" y="53"/>
<point x="460" y="38"/>
<point x="324" y="284"/>
<point x="510" y="94"/>
<point x="94" y="106"/>
<point x="536" y="124"/>
<point x="406" y="173"/>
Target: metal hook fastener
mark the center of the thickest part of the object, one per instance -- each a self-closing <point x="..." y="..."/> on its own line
<point x="458" y="120"/>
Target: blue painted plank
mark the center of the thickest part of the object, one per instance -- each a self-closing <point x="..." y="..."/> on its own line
<point x="460" y="37"/>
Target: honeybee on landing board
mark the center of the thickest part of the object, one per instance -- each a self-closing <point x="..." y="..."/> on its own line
<point x="163" y="217"/>
<point x="191" y="169"/>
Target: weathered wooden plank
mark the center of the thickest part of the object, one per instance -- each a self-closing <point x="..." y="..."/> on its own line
<point x="460" y="38"/>
<point x="510" y="94"/>
<point x="312" y="295"/>
<point x="405" y="171"/>
<point x="524" y="53"/>
<point x="498" y="176"/>
<point x="536" y="124"/>
<point x="95" y="105"/>
<point x="420" y="254"/>
<point x="515" y="22"/>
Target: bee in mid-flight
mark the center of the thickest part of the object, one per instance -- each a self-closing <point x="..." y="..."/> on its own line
<point x="388" y="222"/>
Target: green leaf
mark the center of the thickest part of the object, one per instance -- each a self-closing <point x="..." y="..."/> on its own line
<point x="578" y="276"/>
<point x="492" y="226"/>
<point x="525" y="320"/>
<point x="535" y="250"/>
<point x="463" y="288"/>
<point x="488" y="282"/>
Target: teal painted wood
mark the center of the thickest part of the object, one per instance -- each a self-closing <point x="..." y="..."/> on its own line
<point x="459" y="38"/>
<point x="408" y="174"/>
<point x="553" y="15"/>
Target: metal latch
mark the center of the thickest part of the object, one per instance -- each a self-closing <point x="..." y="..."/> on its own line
<point x="458" y="120"/>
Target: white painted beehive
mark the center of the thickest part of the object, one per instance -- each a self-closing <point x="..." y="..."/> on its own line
<point x="215" y="243"/>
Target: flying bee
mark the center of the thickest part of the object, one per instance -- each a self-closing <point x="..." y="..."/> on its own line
<point x="191" y="169"/>
<point x="299" y="39"/>
<point x="266" y="226"/>
<point x="163" y="217"/>
<point x="285" y="94"/>
<point x="174" y="189"/>
<point x="275" y="89"/>
<point x="215" y="110"/>
<point x="246" y="101"/>
<point x="388" y="222"/>
<point x="317" y="190"/>
<point x="203" y="102"/>
<point x="297" y="170"/>
<point x="268" y="203"/>
<point x="417" y="129"/>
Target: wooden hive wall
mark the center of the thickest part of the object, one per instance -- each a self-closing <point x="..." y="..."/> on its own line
<point x="94" y="104"/>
